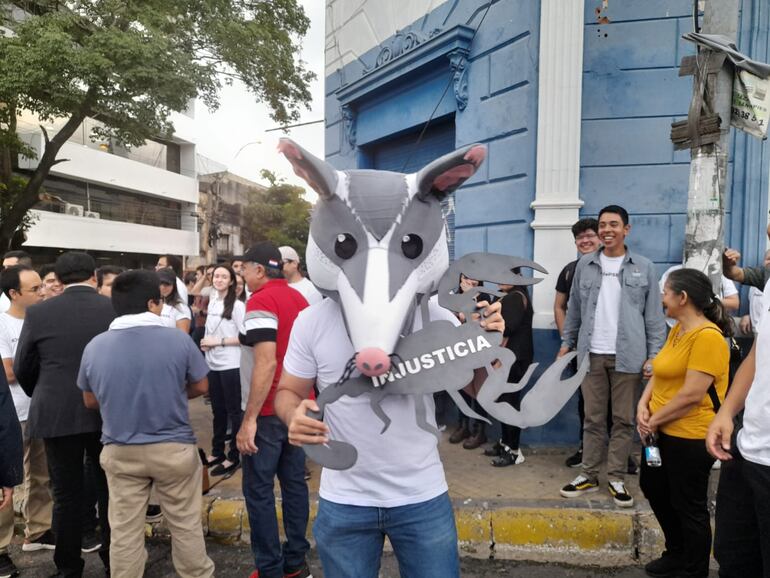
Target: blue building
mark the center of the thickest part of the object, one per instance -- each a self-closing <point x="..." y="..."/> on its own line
<point x="574" y="99"/>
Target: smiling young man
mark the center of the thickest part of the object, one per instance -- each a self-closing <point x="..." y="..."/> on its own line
<point x="614" y="316"/>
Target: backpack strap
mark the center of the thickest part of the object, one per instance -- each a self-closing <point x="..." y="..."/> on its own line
<point x="712" y="390"/>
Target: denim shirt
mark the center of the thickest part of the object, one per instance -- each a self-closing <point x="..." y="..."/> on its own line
<point x="641" y="324"/>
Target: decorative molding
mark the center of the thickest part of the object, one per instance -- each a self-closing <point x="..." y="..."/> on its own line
<point x="401" y="43"/>
<point x="458" y="61"/>
<point x="399" y="63"/>
<point x="349" y="124"/>
<point x="557" y="182"/>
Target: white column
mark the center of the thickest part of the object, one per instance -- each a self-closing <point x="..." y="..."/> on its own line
<point x="557" y="198"/>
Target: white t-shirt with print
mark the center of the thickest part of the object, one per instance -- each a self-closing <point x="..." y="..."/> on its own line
<point x="308" y="290"/>
<point x="170" y="315"/>
<point x="754" y="437"/>
<point x="228" y="357"/>
<point x="396" y="468"/>
<point x="10" y="329"/>
<point x="605" y="330"/>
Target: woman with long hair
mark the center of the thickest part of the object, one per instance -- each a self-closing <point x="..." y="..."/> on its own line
<point x="517" y="312"/>
<point x="223" y="355"/>
<point x="690" y="376"/>
<point x="175" y="313"/>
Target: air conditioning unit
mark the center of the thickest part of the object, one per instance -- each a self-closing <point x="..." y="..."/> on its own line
<point x="93" y="215"/>
<point x="75" y="210"/>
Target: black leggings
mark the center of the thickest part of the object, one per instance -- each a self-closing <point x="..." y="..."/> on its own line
<point x="225" y="394"/>
<point x="678" y="494"/>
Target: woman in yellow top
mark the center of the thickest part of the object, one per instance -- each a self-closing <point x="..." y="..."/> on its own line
<point x="677" y="406"/>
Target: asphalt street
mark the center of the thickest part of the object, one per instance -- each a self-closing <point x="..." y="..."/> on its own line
<point x="236" y="561"/>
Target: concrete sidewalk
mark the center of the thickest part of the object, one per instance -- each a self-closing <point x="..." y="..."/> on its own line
<point x="514" y="512"/>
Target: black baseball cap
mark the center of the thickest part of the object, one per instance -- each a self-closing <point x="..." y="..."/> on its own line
<point x="167" y="276"/>
<point x="266" y="254"/>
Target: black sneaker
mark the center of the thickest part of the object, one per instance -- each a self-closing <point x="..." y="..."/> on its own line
<point x="91" y="542"/>
<point x="667" y="565"/>
<point x="303" y="572"/>
<point x="7" y="568"/>
<point x="43" y="542"/>
<point x="619" y="494"/>
<point x="153" y="514"/>
<point x="579" y="486"/>
<point x="222" y="470"/>
<point x="575" y="460"/>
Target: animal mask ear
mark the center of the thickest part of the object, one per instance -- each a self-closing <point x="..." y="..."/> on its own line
<point x="444" y="175"/>
<point x="320" y="176"/>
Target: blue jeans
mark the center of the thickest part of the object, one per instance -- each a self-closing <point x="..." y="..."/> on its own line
<point x="276" y="457"/>
<point x="349" y="539"/>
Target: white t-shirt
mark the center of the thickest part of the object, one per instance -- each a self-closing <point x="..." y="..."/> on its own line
<point x="754" y="438"/>
<point x="170" y="315"/>
<point x="10" y="329"/>
<point x="605" y="330"/>
<point x="181" y="289"/>
<point x="396" y="468"/>
<point x="227" y="357"/>
<point x="728" y="288"/>
<point x="755" y="308"/>
<point x="308" y="290"/>
<point x="5" y="303"/>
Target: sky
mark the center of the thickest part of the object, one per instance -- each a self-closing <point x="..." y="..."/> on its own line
<point x="235" y="134"/>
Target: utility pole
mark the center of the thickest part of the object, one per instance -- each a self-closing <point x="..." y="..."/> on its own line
<point x="704" y="238"/>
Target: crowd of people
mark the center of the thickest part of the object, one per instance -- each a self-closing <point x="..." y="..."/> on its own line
<point x="81" y="346"/>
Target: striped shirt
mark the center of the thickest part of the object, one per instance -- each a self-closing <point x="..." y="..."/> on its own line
<point x="270" y="314"/>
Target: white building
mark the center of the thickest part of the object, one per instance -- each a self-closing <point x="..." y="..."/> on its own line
<point x="121" y="205"/>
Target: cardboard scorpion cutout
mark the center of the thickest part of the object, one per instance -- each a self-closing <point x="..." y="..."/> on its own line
<point x="378" y="246"/>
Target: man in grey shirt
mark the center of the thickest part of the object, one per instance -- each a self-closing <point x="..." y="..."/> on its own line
<point x="140" y="374"/>
<point x="614" y="316"/>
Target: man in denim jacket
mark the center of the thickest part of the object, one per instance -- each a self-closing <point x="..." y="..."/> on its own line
<point x="614" y="315"/>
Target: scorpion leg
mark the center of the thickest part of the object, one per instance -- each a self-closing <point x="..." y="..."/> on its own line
<point x="422" y="419"/>
<point x="464" y="407"/>
<point x="375" y="403"/>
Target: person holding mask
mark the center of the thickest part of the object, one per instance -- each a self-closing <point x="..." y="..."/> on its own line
<point x="176" y="313"/>
<point x="690" y="376"/>
<point x="223" y="355"/>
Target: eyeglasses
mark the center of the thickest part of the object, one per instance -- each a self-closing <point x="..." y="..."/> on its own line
<point x="586" y="237"/>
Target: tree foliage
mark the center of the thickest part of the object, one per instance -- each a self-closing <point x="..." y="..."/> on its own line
<point x="278" y="214"/>
<point x="130" y="63"/>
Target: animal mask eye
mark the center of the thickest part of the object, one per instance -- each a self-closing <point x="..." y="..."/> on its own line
<point x="345" y="246"/>
<point x="411" y="246"/>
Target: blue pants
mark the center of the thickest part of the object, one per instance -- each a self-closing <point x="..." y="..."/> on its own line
<point x="424" y="538"/>
<point x="276" y="457"/>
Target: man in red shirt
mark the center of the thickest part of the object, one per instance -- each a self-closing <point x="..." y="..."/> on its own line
<point x="263" y="438"/>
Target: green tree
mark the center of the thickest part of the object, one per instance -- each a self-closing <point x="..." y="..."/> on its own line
<point x="128" y="64"/>
<point x="278" y="214"/>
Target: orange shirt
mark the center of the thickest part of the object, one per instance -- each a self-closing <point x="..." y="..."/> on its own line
<point x="702" y="349"/>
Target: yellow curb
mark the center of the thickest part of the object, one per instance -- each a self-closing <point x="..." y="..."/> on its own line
<point x="561" y="528"/>
<point x="224" y="519"/>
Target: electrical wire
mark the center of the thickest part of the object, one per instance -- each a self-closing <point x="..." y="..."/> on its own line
<point x="443" y="94"/>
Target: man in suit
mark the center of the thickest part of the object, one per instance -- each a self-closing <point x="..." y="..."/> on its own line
<point x="51" y="344"/>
